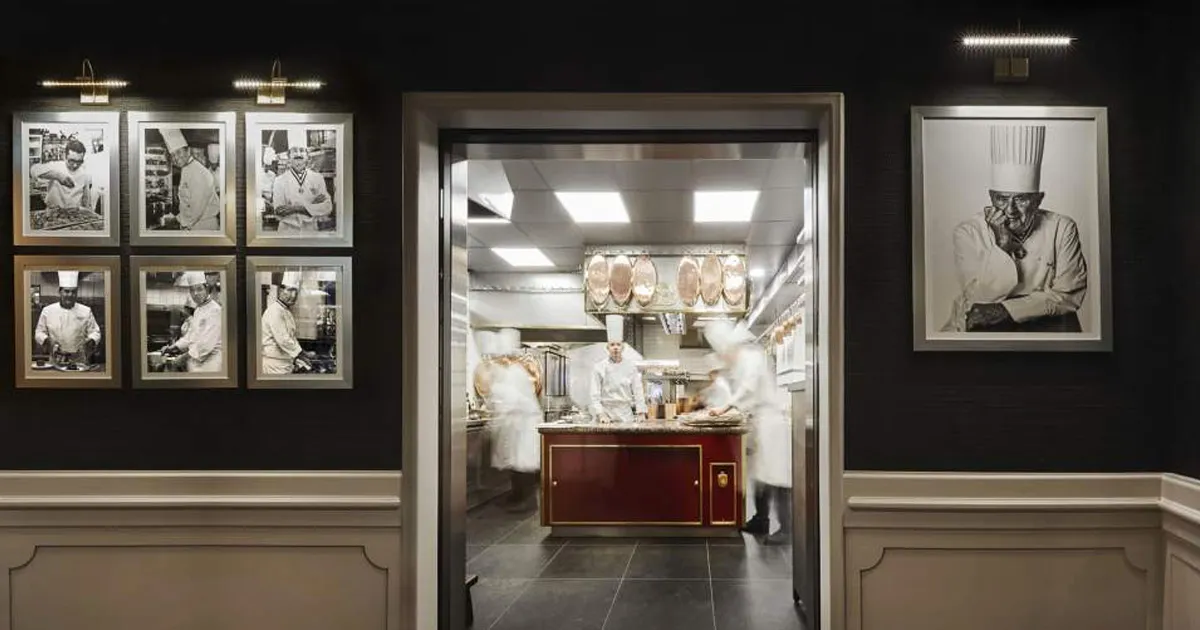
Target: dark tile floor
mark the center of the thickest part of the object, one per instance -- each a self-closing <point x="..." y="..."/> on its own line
<point x="529" y="580"/>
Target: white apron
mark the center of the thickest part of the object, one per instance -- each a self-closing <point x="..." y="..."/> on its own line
<point x="617" y="390"/>
<point x="756" y="395"/>
<point x="516" y="414"/>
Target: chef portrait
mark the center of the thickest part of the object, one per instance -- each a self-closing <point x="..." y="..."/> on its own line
<point x="68" y="178"/>
<point x="299" y="321"/>
<point x="67" y="334"/>
<point x="185" y="322"/>
<point x="300" y="202"/>
<point x="187" y="196"/>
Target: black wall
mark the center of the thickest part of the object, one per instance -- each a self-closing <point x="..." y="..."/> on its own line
<point x="904" y="410"/>
<point x="1185" y="441"/>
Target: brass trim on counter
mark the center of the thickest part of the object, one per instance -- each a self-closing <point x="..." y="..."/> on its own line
<point x="737" y="496"/>
<point x="699" y="485"/>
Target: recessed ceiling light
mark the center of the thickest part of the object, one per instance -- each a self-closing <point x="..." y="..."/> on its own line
<point x="523" y="256"/>
<point x="758" y="272"/>
<point x="724" y="206"/>
<point x="594" y="207"/>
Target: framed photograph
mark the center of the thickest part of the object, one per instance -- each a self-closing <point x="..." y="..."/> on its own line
<point x="1011" y="229"/>
<point x="68" y="321"/>
<point x="182" y="172"/>
<point x="66" y="179"/>
<point x="299" y="312"/>
<point x="185" y="321"/>
<point x="299" y="180"/>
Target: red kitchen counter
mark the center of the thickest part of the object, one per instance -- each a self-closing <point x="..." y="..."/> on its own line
<point x="650" y="475"/>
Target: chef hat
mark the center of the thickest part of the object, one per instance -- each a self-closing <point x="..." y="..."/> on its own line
<point x="616" y="327"/>
<point x="268" y="156"/>
<point x="1017" y="158"/>
<point x="290" y="279"/>
<point x="508" y="341"/>
<point x="297" y="138"/>
<point x="485" y="341"/>
<point x="68" y="279"/>
<point x="174" y="138"/>
<point x="192" y="278"/>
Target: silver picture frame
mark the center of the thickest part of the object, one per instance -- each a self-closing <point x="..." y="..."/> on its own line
<point x="341" y="180"/>
<point x="341" y="350"/>
<point x="1073" y="181"/>
<point x="138" y="123"/>
<point x="69" y="230"/>
<point x="41" y="373"/>
<point x="146" y="375"/>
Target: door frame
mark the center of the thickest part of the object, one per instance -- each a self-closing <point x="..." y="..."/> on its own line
<point x="428" y="428"/>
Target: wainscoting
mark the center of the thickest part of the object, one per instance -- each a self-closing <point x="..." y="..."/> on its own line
<point x="1037" y="552"/>
<point x="254" y="551"/>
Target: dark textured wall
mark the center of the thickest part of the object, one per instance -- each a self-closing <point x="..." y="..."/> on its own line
<point x="904" y="410"/>
<point x="1185" y="440"/>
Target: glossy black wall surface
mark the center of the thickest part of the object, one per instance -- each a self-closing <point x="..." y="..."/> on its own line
<point x="904" y="410"/>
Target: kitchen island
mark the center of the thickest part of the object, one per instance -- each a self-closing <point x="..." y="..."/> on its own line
<point x="653" y="478"/>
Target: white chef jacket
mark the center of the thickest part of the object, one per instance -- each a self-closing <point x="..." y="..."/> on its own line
<point x="616" y="390"/>
<point x="202" y="339"/>
<point x="67" y="328"/>
<point x="279" y="345"/>
<point x="756" y="394"/>
<point x="718" y="394"/>
<point x="199" y="205"/>
<point x="1050" y="280"/>
<point x="58" y="196"/>
<point x="291" y="189"/>
<point x="516" y="414"/>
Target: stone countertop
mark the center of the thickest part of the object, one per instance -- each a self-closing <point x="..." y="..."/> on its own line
<point x="638" y="427"/>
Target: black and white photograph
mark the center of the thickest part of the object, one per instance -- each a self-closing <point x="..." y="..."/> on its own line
<point x="182" y="168"/>
<point x="67" y="315"/>
<point x="67" y="170"/>
<point x="299" y="180"/>
<point x="184" y="321"/>
<point x="1010" y="229"/>
<point x="300" y="320"/>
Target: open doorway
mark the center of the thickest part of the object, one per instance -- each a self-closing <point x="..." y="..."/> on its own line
<point x="775" y="268"/>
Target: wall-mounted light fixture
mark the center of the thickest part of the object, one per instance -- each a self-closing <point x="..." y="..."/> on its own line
<point x="1013" y="50"/>
<point x="273" y="91"/>
<point x="92" y="91"/>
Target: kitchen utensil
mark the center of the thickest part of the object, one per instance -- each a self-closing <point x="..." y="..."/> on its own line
<point x="710" y="279"/>
<point x="645" y="280"/>
<point x="597" y="279"/>
<point x="687" y="281"/>
<point x="620" y="279"/>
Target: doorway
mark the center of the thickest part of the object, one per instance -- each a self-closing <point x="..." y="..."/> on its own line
<point x="437" y="208"/>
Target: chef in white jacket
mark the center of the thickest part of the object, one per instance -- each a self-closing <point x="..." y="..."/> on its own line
<point x="199" y="205"/>
<point x="1020" y="268"/>
<point x="67" y="326"/>
<point x="718" y="394"/>
<point x="516" y="414"/>
<point x="299" y="194"/>
<point x="756" y="394"/>
<point x="202" y="339"/>
<point x="617" y="391"/>
<point x="281" y="351"/>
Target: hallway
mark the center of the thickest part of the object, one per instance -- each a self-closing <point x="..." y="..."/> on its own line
<point x="529" y="580"/>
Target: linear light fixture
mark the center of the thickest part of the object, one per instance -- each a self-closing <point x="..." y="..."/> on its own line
<point x="523" y="256"/>
<point x="273" y="91"/>
<point x="1011" y="64"/>
<point x="92" y="91"/>
<point x="724" y="206"/>
<point x="1017" y="41"/>
<point x="593" y="207"/>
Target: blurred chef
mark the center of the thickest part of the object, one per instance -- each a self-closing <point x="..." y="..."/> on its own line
<point x="70" y="183"/>
<point x="516" y="413"/>
<point x="299" y="193"/>
<point x="281" y="351"/>
<point x="199" y="205"/>
<point x="201" y="338"/>
<point x="617" y="391"/>
<point x="718" y="393"/>
<point x="756" y="395"/>
<point x="67" y="327"/>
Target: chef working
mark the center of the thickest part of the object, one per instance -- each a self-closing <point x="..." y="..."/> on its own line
<point x="756" y="395"/>
<point x="202" y="339"/>
<point x="617" y="391"/>
<point x="516" y="413"/>
<point x="67" y="328"/>
<point x="281" y="350"/>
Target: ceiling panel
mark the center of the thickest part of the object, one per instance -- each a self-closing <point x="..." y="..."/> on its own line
<point x="538" y="206"/>
<point x="769" y="258"/>
<point x="523" y="176"/>
<point x="554" y="234"/>
<point x="578" y="175"/>
<point x="720" y="232"/>
<point x="773" y="232"/>
<point x="664" y="233"/>
<point x="565" y="258"/>
<point x="787" y="173"/>
<point x="730" y="174"/>
<point x="659" y="205"/>
<point x="482" y="259"/>
<point x="499" y="235"/>
<point x="655" y="175"/>
<point x="608" y="233"/>
<point x="472" y="241"/>
<point x="780" y="204"/>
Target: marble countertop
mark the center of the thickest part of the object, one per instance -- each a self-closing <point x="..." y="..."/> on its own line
<point x="657" y="426"/>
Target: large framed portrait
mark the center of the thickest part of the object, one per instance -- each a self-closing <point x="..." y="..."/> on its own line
<point x="68" y="321"/>
<point x="184" y="321"/>
<point x="299" y="311"/>
<point x="1011" y="229"/>
<point x="182" y="172"/>
<point x="66" y="178"/>
<point x="299" y="180"/>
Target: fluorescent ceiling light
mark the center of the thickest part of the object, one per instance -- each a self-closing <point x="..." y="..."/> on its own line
<point x="523" y="256"/>
<point x="758" y="272"/>
<point x="724" y="206"/>
<point x="1016" y="41"/>
<point x="594" y="207"/>
<point x="501" y="203"/>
